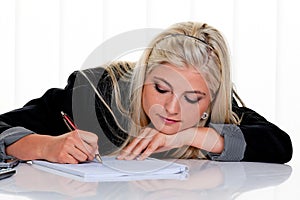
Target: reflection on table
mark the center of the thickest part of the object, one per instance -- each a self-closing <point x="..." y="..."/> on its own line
<point x="206" y="180"/>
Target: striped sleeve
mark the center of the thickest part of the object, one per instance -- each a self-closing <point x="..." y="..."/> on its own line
<point x="234" y="143"/>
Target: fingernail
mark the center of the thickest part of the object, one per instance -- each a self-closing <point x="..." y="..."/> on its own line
<point x="127" y="157"/>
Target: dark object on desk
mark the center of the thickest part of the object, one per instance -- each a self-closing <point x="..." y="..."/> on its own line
<point x="9" y="163"/>
<point x="5" y="173"/>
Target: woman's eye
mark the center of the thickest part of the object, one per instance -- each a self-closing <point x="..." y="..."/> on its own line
<point x="192" y="100"/>
<point x="160" y="89"/>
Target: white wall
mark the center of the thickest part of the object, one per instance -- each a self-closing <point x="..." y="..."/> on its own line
<point x="43" y="41"/>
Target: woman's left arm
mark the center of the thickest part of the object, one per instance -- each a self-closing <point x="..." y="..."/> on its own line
<point x="265" y="142"/>
<point x="152" y="141"/>
<point x="255" y="139"/>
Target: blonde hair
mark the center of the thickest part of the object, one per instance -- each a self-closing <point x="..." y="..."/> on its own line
<point x="183" y="45"/>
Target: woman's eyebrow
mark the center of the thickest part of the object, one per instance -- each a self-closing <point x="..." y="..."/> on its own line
<point x="167" y="83"/>
<point x="163" y="80"/>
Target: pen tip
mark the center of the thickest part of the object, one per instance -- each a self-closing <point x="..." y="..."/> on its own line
<point x="98" y="158"/>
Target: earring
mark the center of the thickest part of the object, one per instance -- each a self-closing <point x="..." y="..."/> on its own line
<point x="204" y="115"/>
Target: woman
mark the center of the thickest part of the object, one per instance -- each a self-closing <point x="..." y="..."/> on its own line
<point x="180" y="99"/>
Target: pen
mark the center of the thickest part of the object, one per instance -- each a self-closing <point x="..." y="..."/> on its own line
<point x="71" y="126"/>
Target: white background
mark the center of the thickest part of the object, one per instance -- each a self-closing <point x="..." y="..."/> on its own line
<point x="43" y="41"/>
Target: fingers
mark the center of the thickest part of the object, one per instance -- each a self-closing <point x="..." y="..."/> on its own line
<point x="152" y="147"/>
<point x="89" y="138"/>
<point x="73" y="148"/>
<point x="67" y="152"/>
<point x="141" y="147"/>
<point x="89" y="143"/>
<point x="68" y="159"/>
<point x="134" y="151"/>
<point x="127" y="151"/>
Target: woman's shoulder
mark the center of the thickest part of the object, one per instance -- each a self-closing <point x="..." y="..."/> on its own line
<point x="246" y="114"/>
<point x="113" y="70"/>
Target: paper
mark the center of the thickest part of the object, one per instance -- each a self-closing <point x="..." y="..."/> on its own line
<point x="120" y="170"/>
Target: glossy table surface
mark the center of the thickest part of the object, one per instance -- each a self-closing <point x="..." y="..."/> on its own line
<point x="206" y="180"/>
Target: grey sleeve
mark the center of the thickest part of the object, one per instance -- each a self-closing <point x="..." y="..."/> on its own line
<point x="234" y="143"/>
<point x="10" y="136"/>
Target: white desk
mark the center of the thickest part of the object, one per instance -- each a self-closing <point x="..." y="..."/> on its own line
<point x="207" y="180"/>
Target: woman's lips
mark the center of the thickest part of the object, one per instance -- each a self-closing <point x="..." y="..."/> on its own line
<point x="168" y="120"/>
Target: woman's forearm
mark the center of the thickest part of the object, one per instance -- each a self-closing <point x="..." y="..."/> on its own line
<point x="29" y="147"/>
<point x="72" y="147"/>
<point x="206" y="139"/>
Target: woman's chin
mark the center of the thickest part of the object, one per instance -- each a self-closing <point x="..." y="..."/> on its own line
<point x="169" y="130"/>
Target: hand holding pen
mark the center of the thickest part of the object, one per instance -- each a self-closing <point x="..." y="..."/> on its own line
<point x="71" y="125"/>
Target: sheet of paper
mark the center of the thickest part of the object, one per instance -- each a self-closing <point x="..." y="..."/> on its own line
<point x="120" y="170"/>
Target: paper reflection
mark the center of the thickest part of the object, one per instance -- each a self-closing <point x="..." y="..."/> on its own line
<point x="30" y="180"/>
<point x="207" y="180"/>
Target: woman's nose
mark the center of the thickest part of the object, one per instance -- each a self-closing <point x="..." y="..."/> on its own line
<point x="172" y="105"/>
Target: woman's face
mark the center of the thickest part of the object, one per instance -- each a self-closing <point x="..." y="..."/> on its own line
<point x="174" y="98"/>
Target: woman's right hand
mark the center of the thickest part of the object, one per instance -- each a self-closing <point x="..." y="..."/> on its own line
<point x="72" y="147"/>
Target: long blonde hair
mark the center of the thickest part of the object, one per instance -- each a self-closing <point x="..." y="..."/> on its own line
<point x="186" y="44"/>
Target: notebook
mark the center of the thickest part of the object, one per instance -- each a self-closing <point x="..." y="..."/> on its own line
<point x="118" y="170"/>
